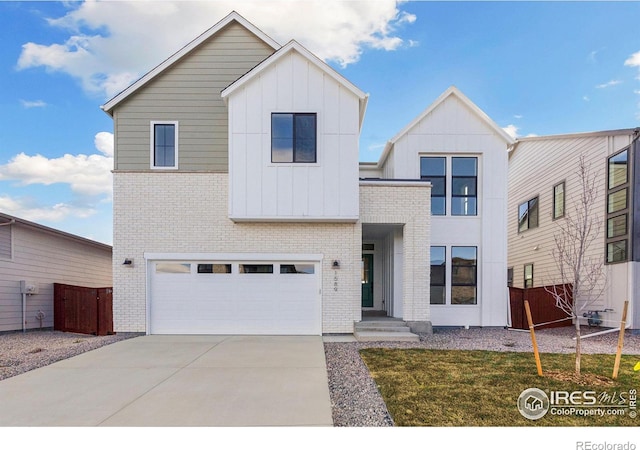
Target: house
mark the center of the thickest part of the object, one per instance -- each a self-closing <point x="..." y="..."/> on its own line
<point x="543" y="188"/>
<point x="463" y="153"/>
<point x="240" y="206"/>
<point x="32" y="258"/>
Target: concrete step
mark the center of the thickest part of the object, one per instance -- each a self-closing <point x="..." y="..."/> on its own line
<point x="387" y="336"/>
<point x="382" y="327"/>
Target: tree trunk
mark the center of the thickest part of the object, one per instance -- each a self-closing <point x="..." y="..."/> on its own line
<point x="578" y="348"/>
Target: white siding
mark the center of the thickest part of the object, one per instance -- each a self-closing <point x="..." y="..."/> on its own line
<point x="47" y="258"/>
<point x="535" y="166"/>
<point x="323" y="191"/>
<point x="454" y="129"/>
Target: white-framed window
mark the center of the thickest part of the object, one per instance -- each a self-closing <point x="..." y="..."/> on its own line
<point x="164" y="144"/>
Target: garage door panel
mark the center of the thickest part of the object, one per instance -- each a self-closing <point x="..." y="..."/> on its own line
<point x="235" y="303"/>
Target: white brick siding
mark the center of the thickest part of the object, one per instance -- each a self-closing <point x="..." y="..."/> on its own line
<point x="188" y="213"/>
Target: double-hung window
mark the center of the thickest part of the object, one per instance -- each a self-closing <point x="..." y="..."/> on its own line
<point x="438" y="275"/>
<point x="164" y="145"/>
<point x="454" y="280"/>
<point x="293" y="137"/>
<point x="558" y="201"/>
<point x="618" y="208"/>
<point x="434" y="170"/>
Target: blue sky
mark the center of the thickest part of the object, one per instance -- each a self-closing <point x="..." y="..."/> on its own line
<point x="535" y="68"/>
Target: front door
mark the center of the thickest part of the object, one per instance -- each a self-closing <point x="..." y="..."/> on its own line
<point x="367" y="281"/>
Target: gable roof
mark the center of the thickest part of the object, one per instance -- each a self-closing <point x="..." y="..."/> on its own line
<point x="294" y="46"/>
<point x="6" y="219"/>
<point x="451" y="91"/>
<point x="233" y="16"/>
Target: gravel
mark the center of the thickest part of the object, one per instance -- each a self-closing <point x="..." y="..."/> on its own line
<point x="355" y="399"/>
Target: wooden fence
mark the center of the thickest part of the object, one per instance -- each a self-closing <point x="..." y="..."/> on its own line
<point x="84" y="310"/>
<point x="542" y="305"/>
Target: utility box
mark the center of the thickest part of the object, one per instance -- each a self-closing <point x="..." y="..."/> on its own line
<point x="29" y="287"/>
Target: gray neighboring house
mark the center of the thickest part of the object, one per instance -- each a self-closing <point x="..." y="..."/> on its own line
<point x="41" y="256"/>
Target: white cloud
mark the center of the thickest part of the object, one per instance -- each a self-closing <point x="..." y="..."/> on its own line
<point x="56" y="213"/>
<point x="87" y="175"/>
<point x="33" y="104"/>
<point x="586" y="98"/>
<point x="511" y="130"/>
<point x="518" y="116"/>
<point x="107" y="53"/>
<point x="608" y="84"/>
<point x="633" y="60"/>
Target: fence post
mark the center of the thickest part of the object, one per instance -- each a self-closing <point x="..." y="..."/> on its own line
<point x="533" y="338"/>
<point x="623" y="322"/>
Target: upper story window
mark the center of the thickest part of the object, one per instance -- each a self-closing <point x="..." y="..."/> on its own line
<point x="434" y="170"/>
<point x="5" y="240"/>
<point x="558" y="201"/>
<point x="164" y="145"/>
<point x="293" y="137"/>
<point x="618" y="208"/>
<point x="463" y="184"/>
<point x="528" y="215"/>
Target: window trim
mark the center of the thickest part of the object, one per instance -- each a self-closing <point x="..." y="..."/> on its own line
<point x="293" y="156"/>
<point x="528" y="203"/>
<point x="152" y="143"/>
<point x="627" y="187"/>
<point x="564" y="201"/>
<point x="10" y="226"/>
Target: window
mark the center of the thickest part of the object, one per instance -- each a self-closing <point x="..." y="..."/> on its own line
<point x="293" y="137"/>
<point x="304" y="269"/>
<point x="528" y="215"/>
<point x="618" y="209"/>
<point x="173" y="268"/>
<point x="164" y="145"/>
<point x="5" y="240"/>
<point x="464" y="183"/>
<point x="434" y="169"/>
<point x="558" y="201"/>
<point x="214" y="268"/>
<point x="256" y="268"/>
<point x="464" y="282"/>
<point x="528" y="275"/>
<point x="510" y="276"/>
<point x="438" y="275"/>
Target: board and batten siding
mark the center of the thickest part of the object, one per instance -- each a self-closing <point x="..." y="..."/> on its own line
<point x="188" y="92"/>
<point x="536" y="165"/>
<point x="46" y="258"/>
<point x="325" y="190"/>
<point x="453" y="129"/>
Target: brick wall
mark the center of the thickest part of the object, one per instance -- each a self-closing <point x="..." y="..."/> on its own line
<point x="187" y="212"/>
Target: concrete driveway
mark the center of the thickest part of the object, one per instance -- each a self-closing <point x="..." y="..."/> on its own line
<point x="185" y="381"/>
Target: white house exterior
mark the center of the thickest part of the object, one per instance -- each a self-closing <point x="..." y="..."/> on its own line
<point x="543" y="187"/>
<point x="463" y="153"/>
<point x="42" y="256"/>
<point x="240" y="206"/>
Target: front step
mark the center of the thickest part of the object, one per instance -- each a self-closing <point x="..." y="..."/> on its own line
<point x="384" y="330"/>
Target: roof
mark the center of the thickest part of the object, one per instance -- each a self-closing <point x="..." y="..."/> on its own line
<point x="451" y="91"/>
<point x="294" y="46"/>
<point x="232" y="17"/>
<point x="8" y="219"/>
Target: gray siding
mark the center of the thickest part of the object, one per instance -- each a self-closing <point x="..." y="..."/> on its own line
<point x="189" y="92"/>
<point x="47" y="258"/>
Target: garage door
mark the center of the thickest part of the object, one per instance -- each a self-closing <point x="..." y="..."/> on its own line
<point x="229" y="297"/>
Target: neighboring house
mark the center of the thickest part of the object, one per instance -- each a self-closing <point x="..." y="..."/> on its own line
<point x="463" y="153"/>
<point x="543" y="186"/>
<point x="41" y="256"/>
<point x="239" y="205"/>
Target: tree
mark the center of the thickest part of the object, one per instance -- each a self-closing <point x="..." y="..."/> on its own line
<point x="581" y="273"/>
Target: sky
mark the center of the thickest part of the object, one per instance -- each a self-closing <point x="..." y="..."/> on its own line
<point x="536" y="68"/>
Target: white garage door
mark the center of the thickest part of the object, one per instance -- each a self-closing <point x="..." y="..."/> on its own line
<point x="222" y="297"/>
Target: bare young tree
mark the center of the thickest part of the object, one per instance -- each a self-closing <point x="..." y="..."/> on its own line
<point x="581" y="273"/>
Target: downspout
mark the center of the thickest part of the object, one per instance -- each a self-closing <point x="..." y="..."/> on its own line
<point x="24" y="312"/>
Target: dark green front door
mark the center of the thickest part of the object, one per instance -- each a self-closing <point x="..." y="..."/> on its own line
<point x="367" y="281"/>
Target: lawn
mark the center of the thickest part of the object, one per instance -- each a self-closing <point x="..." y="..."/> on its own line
<point x="481" y="388"/>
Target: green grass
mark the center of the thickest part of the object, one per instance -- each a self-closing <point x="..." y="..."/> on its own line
<point x="481" y="388"/>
